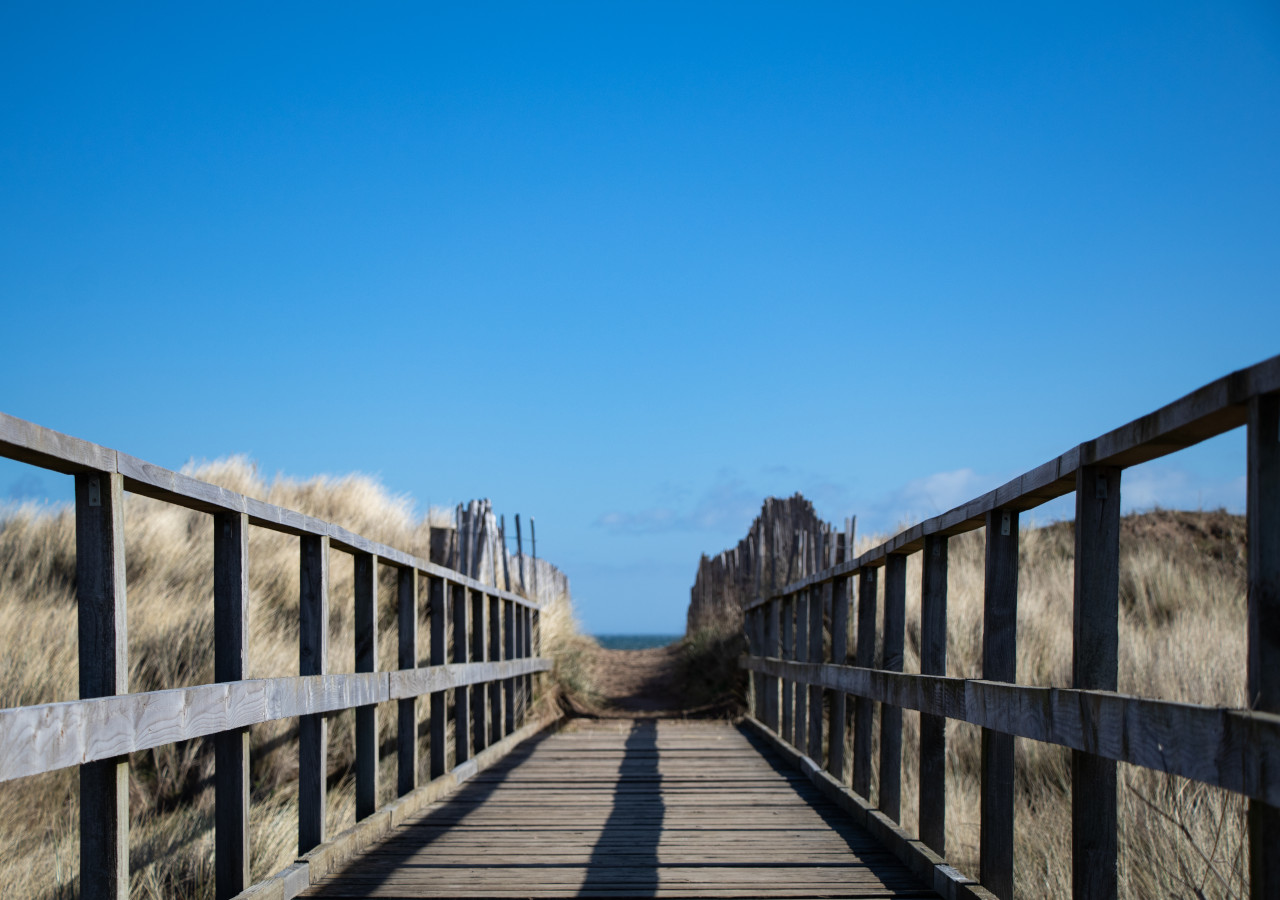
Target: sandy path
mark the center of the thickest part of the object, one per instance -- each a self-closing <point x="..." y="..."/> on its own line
<point x="639" y="682"/>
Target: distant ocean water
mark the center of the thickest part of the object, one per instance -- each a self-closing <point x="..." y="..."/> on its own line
<point x="635" y="641"/>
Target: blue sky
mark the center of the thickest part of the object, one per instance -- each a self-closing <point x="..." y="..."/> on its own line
<point x="630" y="268"/>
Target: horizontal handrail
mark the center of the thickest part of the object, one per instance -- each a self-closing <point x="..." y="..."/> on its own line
<point x="36" y="445"/>
<point x="1214" y="409"/>
<point x="1234" y="749"/>
<point x="51" y="736"/>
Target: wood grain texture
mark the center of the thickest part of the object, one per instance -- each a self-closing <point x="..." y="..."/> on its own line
<point x="366" y="660"/>
<point x="1094" y="664"/>
<point x="441" y="607"/>
<point x="459" y="621"/>
<point x="497" y="719"/>
<point x="895" y="619"/>
<point x="508" y="652"/>
<point x="479" y="653"/>
<point x="104" y="671"/>
<point x="864" y="707"/>
<point x="787" y="612"/>
<point x="802" y="655"/>
<point x="313" y="657"/>
<point x="1263" y="671"/>
<point x="649" y="808"/>
<point x="822" y="602"/>
<point x="230" y="664"/>
<point x="773" y="648"/>
<point x="999" y="663"/>
<point x="839" y="654"/>
<point x="933" y="661"/>
<point x="407" y="657"/>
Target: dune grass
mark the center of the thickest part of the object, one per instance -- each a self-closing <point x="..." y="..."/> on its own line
<point x="169" y="573"/>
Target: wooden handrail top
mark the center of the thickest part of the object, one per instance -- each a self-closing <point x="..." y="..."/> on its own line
<point x="36" y="445"/>
<point x="1214" y="409"/>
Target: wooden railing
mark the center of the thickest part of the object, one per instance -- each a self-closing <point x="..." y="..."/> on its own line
<point x="495" y="647"/>
<point x="1235" y="749"/>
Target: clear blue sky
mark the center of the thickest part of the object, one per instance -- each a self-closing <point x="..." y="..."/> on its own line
<point x="630" y="267"/>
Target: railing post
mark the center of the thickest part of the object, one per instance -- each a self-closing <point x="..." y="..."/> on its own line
<point x="999" y="663"/>
<point x="532" y="648"/>
<point x="313" y="655"/>
<point x="407" y="658"/>
<point x="839" y="656"/>
<point x="438" y="597"/>
<point x="788" y="613"/>
<point x="496" y="719"/>
<point x="1095" y="643"/>
<point x="773" y="648"/>
<point x="479" y="692"/>
<point x="509" y="652"/>
<point x="522" y="693"/>
<point x="1263" y="469"/>
<point x="230" y="663"/>
<point x="864" y="709"/>
<point x="820" y="600"/>
<point x="104" y="671"/>
<point x="462" y="695"/>
<point x="366" y="657"/>
<point x="895" y="615"/>
<point x="801" y="654"/>
<point x="933" y="661"/>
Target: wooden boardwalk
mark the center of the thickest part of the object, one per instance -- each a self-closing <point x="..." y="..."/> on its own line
<point x="630" y="808"/>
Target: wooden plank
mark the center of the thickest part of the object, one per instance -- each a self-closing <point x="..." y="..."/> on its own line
<point x="999" y="663"/>
<point x="822" y="601"/>
<point x="508" y="652"/>
<point x="863" y="708"/>
<point x="895" y="615"/>
<point x="787" y="610"/>
<point x="366" y="659"/>
<point x="773" y="648"/>
<point x="1263" y="672"/>
<point x="313" y="655"/>
<point x="407" y="657"/>
<point x="104" y="671"/>
<point x="461" y="653"/>
<point x="1095" y="649"/>
<point x="801" y="654"/>
<point x="497" y="720"/>
<point x="439" y="591"/>
<point x="933" y="661"/>
<point x="230" y="664"/>
<point x="839" y="654"/>
<point x="479" y="653"/>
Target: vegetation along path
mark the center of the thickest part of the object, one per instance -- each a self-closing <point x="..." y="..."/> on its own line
<point x="641" y="807"/>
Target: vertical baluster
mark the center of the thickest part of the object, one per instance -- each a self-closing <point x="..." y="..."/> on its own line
<point x="509" y="652"/>
<point x="839" y="656"/>
<point x="801" y="654"/>
<point x="104" y="671"/>
<point x="438" y="597"/>
<point x="535" y="649"/>
<point x="407" y="658"/>
<point x="773" y="648"/>
<point x="933" y="661"/>
<point x="1263" y="472"/>
<point x="496" y="719"/>
<point x="1094" y="666"/>
<point x="313" y="655"/>
<point x="895" y="614"/>
<point x="864" y="709"/>
<point x="522" y="694"/>
<point x="462" y="695"/>
<point x="788" y="612"/>
<point x="479" y="692"/>
<point x="230" y="663"/>
<point x="366" y="656"/>
<point x="999" y="663"/>
<point x="820" y="601"/>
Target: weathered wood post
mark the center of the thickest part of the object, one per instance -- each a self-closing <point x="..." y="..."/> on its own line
<point x="230" y="663"/>
<point x="313" y="656"/>
<point x="509" y="652"/>
<point x="999" y="663"/>
<point x="839" y="653"/>
<point x="462" y="695"/>
<point x="407" y="658"/>
<point x="895" y="615"/>
<point x="366" y="658"/>
<point x="801" y="654"/>
<point x="788" y="612"/>
<point x="864" y="709"/>
<point x="821" y="600"/>
<point x="479" y="692"/>
<point x="496" y="718"/>
<point x="1263" y="512"/>
<point x="104" y="672"/>
<point x="933" y="661"/>
<point x="1095" y="643"/>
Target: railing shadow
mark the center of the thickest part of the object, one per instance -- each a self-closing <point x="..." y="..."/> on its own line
<point x="625" y="856"/>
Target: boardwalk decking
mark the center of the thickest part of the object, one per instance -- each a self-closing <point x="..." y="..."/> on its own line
<point x="630" y="808"/>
